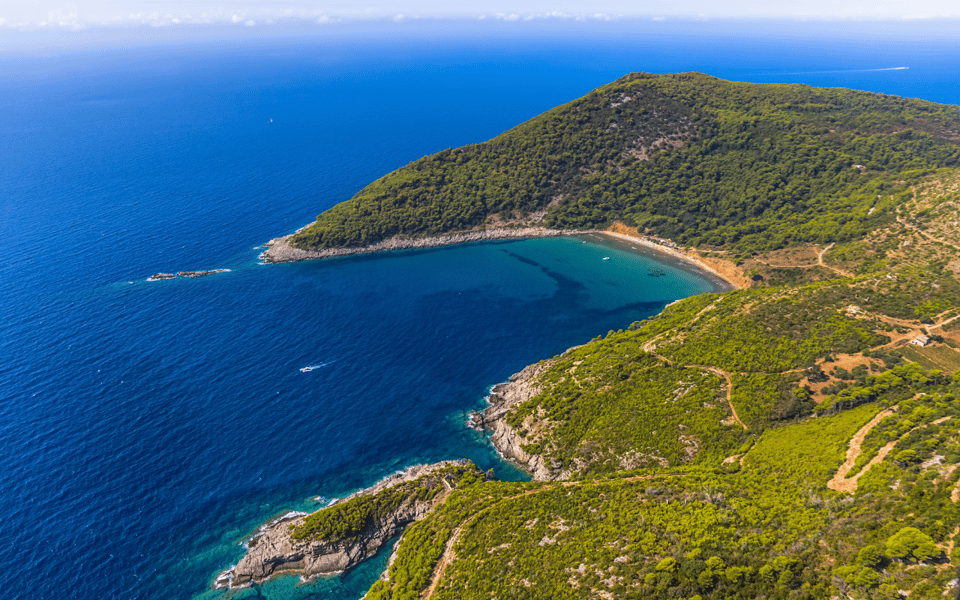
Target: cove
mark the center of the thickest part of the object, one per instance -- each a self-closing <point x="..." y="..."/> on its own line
<point x="405" y="344"/>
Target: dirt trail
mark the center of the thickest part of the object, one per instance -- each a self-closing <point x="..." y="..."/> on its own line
<point x="925" y="234"/>
<point x="836" y="270"/>
<point x="914" y="328"/>
<point x="449" y="555"/>
<point x="735" y="458"/>
<point x="819" y="263"/>
<point x="651" y="344"/>
<point x="729" y="380"/>
<point x="942" y="323"/>
<point x="822" y="252"/>
<point x="840" y="482"/>
<point x="716" y="371"/>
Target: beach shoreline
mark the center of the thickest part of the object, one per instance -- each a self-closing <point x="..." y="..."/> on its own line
<point x="279" y="250"/>
<point x="724" y="273"/>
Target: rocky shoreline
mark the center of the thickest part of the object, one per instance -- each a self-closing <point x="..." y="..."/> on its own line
<point x="279" y="250"/>
<point x="273" y="551"/>
<point x="508" y="442"/>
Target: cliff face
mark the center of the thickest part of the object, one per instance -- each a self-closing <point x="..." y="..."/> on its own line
<point x="521" y="387"/>
<point x="274" y="550"/>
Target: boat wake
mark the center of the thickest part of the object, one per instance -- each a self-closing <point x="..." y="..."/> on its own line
<point x="313" y="367"/>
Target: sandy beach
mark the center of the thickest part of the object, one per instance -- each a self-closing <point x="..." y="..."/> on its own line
<point x="279" y="250"/>
<point x="722" y="270"/>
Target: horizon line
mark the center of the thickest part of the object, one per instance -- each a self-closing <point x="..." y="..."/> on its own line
<point x="61" y="23"/>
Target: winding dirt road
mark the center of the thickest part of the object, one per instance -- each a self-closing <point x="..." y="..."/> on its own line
<point x="840" y="482"/>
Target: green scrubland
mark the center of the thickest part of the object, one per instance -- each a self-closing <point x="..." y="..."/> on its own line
<point x="696" y="447"/>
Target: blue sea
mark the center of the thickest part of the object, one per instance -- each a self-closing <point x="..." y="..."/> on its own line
<point x="147" y="428"/>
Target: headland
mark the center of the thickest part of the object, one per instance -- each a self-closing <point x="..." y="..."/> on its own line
<point x="279" y="250"/>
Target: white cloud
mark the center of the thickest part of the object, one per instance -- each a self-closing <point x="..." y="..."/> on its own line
<point x="32" y="14"/>
<point x="250" y="23"/>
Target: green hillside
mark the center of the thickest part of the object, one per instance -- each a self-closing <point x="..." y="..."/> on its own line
<point x="799" y="438"/>
<point x="689" y="157"/>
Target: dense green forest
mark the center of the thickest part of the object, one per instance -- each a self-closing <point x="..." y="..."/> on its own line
<point x="689" y="157"/>
<point x="799" y="438"/>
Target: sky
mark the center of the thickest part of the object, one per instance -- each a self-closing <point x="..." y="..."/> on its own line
<point x="41" y="15"/>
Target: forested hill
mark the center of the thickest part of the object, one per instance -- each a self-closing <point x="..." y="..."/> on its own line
<point x="798" y="439"/>
<point x="686" y="156"/>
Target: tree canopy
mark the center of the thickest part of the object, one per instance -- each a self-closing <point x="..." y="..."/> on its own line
<point x="686" y="156"/>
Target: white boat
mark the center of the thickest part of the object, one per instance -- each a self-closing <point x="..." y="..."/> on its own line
<point x="606" y="258"/>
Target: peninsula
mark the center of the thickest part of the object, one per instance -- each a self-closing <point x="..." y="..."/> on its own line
<point x="798" y="437"/>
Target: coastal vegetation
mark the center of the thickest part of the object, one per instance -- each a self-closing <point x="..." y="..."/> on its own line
<point x="359" y="513"/>
<point x="687" y="156"/>
<point x="768" y="528"/>
<point x="799" y="438"/>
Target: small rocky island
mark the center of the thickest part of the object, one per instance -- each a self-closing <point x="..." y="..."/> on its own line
<point x="349" y="530"/>
<point x="162" y="276"/>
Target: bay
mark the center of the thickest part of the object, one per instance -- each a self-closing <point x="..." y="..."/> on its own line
<point x="148" y="427"/>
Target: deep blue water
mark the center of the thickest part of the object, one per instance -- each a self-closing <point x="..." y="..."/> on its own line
<point x="148" y="427"/>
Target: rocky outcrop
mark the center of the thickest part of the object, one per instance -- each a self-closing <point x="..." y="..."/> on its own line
<point x="503" y="397"/>
<point x="201" y="273"/>
<point x="279" y="250"/>
<point x="162" y="276"/>
<point x="273" y="550"/>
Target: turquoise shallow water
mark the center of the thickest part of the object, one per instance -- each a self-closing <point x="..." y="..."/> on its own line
<point x="147" y="428"/>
